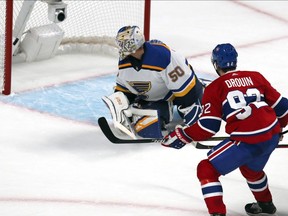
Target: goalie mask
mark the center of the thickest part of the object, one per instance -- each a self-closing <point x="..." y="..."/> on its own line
<point x="129" y="39"/>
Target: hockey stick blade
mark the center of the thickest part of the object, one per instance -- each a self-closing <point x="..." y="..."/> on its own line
<point x="103" y="124"/>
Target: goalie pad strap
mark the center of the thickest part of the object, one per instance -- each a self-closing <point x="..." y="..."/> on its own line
<point x="143" y="112"/>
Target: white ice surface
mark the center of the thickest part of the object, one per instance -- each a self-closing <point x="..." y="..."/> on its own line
<point x="55" y="167"/>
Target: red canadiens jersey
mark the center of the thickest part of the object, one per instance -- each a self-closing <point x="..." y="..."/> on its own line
<point x="252" y="109"/>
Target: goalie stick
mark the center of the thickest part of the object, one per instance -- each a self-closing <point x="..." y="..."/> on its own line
<point x="105" y="127"/>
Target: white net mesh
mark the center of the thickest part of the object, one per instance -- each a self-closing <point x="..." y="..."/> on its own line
<point x="90" y="26"/>
<point x="89" y="18"/>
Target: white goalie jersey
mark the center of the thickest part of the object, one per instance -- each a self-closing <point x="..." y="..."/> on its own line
<point x="160" y="79"/>
<point x="161" y="74"/>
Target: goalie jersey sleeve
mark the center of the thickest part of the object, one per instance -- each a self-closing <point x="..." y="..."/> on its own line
<point x="252" y="108"/>
<point x="162" y="74"/>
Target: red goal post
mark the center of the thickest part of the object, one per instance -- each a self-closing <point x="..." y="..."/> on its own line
<point x="84" y="22"/>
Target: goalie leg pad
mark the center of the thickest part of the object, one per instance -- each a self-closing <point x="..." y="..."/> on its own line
<point x="150" y="118"/>
<point x="148" y="127"/>
<point x="164" y="108"/>
<point x="147" y="123"/>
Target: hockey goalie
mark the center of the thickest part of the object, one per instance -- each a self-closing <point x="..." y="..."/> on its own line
<point x="152" y="80"/>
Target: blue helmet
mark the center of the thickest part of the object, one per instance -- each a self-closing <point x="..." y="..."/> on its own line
<point x="224" y="56"/>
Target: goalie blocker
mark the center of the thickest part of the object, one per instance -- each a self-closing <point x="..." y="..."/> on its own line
<point x="134" y="121"/>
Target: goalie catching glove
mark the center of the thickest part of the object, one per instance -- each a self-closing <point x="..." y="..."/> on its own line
<point x="176" y="139"/>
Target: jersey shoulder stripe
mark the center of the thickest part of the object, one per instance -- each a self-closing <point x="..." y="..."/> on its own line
<point x="151" y="67"/>
<point x="144" y="66"/>
<point x="124" y="65"/>
<point x="186" y="87"/>
<point x="156" y="57"/>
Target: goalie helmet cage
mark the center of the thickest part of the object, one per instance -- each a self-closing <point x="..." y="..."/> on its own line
<point x="87" y="22"/>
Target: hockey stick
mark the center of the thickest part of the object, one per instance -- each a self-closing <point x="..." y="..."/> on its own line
<point x="103" y="124"/>
<point x="219" y="138"/>
<point x="202" y="146"/>
<point x="105" y="127"/>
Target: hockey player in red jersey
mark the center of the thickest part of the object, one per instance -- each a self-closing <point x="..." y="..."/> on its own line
<point x="255" y="114"/>
<point x="152" y="78"/>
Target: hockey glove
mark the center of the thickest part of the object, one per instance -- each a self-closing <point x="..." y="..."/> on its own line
<point x="176" y="139"/>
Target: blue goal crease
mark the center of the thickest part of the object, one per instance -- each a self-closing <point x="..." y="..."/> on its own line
<point x="79" y="100"/>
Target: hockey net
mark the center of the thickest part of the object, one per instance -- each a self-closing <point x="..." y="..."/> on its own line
<point x="88" y="26"/>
